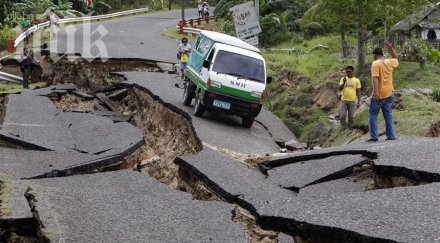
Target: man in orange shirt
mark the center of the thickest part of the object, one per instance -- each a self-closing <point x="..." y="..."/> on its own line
<point x="382" y="98"/>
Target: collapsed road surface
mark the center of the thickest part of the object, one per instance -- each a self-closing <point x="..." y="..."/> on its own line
<point x="84" y="169"/>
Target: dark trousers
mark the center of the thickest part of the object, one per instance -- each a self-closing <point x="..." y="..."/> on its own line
<point x="26" y="74"/>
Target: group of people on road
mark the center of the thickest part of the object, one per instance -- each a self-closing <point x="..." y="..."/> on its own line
<point x="203" y="9"/>
<point x="381" y="99"/>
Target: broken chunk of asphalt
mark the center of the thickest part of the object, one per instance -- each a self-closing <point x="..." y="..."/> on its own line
<point x="316" y="155"/>
<point x="128" y="206"/>
<point x="114" y="116"/>
<point x="338" y="186"/>
<point x="17" y="163"/>
<point x="14" y="206"/>
<point x="214" y="128"/>
<point x="415" y="159"/>
<point x="15" y="142"/>
<point x="233" y="181"/>
<point x="118" y="95"/>
<point x="82" y="95"/>
<point x="36" y="120"/>
<point x="105" y="100"/>
<point x="368" y="216"/>
<point x="301" y="174"/>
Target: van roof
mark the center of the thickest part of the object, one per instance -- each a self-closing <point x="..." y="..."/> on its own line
<point x="242" y="51"/>
<point x="230" y="40"/>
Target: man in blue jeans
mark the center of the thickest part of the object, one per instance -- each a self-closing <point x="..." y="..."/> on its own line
<point x="382" y="98"/>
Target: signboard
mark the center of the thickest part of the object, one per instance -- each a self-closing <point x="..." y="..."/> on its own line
<point x="252" y="40"/>
<point x="246" y="20"/>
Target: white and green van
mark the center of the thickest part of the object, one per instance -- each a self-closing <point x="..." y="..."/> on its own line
<point x="227" y="74"/>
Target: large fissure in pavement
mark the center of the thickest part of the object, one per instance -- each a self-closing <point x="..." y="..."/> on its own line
<point x="16" y="229"/>
<point x="167" y="134"/>
<point x="90" y="76"/>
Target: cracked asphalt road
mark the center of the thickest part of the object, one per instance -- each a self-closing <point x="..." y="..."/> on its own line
<point x="129" y="206"/>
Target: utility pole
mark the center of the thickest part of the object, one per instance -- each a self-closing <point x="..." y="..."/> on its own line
<point x="257" y="8"/>
<point x="182" y="3"/>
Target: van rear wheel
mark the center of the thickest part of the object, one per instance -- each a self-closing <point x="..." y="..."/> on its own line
<point x="247" y="122"/>
<point x="188" y="93"/>
<point x="198" y="106"/>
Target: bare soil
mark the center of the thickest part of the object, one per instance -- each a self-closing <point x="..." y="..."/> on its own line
<point x="71" y="103"/>
<point x="254" y="233"/>
<point x="167" y="134"/>
<point x="89" y="76"/>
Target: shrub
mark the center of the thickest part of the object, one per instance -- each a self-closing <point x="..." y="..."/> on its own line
<point x="416" y="50"/>
<point x="434" y="56"/>
<point x="6" y="34"/>
<point x="272" y="31"/>
<point x="313" y="29"/>
<point x="436" y="95"/>
<point x="227" y="27"/>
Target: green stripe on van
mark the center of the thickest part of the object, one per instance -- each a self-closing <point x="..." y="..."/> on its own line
<point x="223" y="90"/>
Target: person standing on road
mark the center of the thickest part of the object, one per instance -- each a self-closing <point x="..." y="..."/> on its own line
<point x="205" y="10"/>
<point x="26" y="63"/>
<point x="350" y="88"/>
<point x="184" y="52"/>
<point x="26" y="23"/>
<point x="200" y="9"/>
<point x="382" y="98"/>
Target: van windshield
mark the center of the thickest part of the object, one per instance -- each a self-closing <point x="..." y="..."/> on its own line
<point x="239" y="65"/>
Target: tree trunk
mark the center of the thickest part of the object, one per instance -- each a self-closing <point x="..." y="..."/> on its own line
<point x="170" y="2"/>
<point x="360" y="49"/>
<point x="344" y="44"/>
<point x="360" y="36"/>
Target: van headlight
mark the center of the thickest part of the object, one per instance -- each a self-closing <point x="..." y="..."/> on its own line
<point x="256" y="94"/>
<point x="212" y="83"/>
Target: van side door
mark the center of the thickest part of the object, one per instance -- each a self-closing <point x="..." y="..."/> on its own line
<point x="204" y="74"/>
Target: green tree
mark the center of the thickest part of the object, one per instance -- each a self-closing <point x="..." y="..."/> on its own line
<point x="365" y="17"/>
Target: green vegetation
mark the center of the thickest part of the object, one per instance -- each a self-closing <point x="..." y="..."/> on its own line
<point x="15" y="88"/>
<point x="5" y="190"/>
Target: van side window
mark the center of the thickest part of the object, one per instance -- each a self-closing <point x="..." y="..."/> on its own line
<point x="196" y="45"/>
<point x="204" y="46"/>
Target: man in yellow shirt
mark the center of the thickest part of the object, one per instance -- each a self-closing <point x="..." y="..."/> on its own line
<point x="382" y="98"/>
<point x="351" y="88"/>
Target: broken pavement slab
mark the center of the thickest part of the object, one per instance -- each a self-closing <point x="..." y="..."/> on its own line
<point x="389" y="215"/>
<point x="128" y="206"/>
<point x="301" y="174"/>
<point x="340" y="217"/>
<point x="18" y="163"/>
<point x="35" y="120"/>
<point x="15" y="213"/>
<point x="233" y="181"/>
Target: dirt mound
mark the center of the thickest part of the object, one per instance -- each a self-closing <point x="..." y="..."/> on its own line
<point x="326" y="97"/>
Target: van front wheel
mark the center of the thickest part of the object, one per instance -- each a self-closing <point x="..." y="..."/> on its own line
<point x="247" y="122"/>
<point x="198" y="106"/>
<point x="188" y="93"/>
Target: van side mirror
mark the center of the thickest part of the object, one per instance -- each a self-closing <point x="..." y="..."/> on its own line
<point x="269" y="80"/>
<point x="206" y="64"/>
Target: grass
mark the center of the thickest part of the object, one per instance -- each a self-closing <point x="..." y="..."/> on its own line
<point x="5" y="190"/>
<point x="15" y="88"/>
<point x="309" y="70"/>
<point x="413" y="119"/>
<point x="317" y="65"/>
<point x="174" y="34"/>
